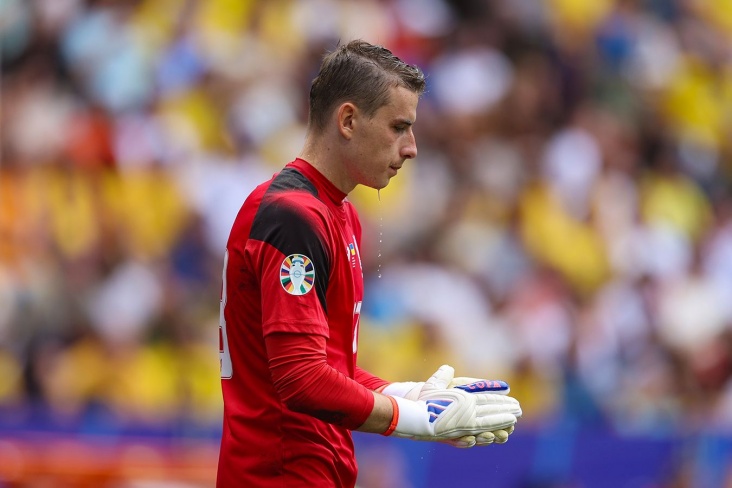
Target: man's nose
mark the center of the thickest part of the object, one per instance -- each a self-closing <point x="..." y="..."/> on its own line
<point x="409" y="150"/>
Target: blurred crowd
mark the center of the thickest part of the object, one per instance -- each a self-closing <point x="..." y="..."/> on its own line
<point x="566" y="226"/>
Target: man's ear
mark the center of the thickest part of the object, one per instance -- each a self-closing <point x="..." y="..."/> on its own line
<point x="347" y="115"/>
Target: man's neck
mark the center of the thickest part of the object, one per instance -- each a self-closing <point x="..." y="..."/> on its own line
<point x="325" y="159"/>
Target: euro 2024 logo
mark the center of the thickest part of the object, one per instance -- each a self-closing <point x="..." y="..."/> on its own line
<point x="297" y="274"/>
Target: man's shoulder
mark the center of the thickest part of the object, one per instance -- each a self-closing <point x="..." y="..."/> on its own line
<point x="290" y="180"/>
<point x="287" y="187"/>
<point x="290" y="190"/>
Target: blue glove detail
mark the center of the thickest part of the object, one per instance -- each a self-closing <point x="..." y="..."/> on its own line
<point x="436" y="407"/>
<point x="489" y="386"/>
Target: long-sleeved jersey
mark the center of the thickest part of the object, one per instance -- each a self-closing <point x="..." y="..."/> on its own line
<point x="290" y="304"/>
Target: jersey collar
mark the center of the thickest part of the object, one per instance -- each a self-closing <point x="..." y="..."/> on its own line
<point x="324" y="185"/>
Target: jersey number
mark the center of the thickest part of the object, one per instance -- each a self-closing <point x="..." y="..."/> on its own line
<point x="224" y="355"/>
<point x="356" y="318"/>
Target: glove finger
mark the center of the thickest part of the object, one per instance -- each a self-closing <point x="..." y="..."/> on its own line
<point x="487" y="403"/>
<point x="498" y="436"/>
<point x="493" y="399"/>
<point x="494" y="422"/>
<point x="501" y="436"/>
<point x="462" y="380"/>
<point x="484" y="438"/>
<point x="463" y="442"/>
<point x="488" y="410"/>
<point x="441" y="378"/>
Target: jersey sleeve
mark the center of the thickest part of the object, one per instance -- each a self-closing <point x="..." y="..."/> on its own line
<point x="369" y="380"/>
<point x="307" y="384"/>
<point x="290" y="249"/>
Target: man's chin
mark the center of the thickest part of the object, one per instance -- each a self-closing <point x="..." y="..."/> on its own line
<point x="379" y="185"/>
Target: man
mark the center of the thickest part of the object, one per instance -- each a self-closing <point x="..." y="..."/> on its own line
<point x="292" y="292"/>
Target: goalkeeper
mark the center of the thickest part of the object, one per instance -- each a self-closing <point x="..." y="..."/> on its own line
<point x="292" y="288"/>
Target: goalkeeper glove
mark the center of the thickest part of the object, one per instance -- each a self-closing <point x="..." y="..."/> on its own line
<point x="444" y="414"/>
<point x="411" y="390"/>
<point x="475" y="385"/>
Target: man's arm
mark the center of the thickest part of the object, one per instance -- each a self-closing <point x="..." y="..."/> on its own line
<point x="381" y="416"/>
<point x="369" y="380"/>
<point x="306" y="383"/>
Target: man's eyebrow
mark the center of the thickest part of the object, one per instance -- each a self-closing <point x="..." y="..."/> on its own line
<point x="404" y="122"/>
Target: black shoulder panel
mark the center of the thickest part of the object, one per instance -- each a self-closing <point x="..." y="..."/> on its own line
<point x="292" y="179"/>
<point x="281" y="223"/>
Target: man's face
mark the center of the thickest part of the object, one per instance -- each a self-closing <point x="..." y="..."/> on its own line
<point x="383" y="142"/>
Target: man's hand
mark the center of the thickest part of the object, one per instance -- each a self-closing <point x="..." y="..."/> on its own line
<point x="475" y="385"/>
<point x="434" y="411"/>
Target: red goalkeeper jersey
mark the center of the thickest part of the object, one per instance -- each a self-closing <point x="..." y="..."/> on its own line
<point x="291" y="299"/>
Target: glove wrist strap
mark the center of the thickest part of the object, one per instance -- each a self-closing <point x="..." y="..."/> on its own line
<point x="414" y="418"/>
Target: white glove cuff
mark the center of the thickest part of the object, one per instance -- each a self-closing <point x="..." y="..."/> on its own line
<point x="414" y="419"/>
